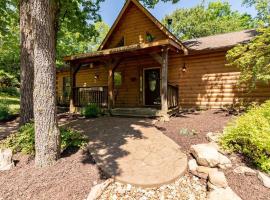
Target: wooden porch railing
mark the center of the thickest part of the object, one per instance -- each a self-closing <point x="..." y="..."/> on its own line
<point x="172" y="96"/>
<point x="91" y="95"/>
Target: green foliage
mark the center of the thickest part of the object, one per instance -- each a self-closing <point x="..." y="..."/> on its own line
<point x="249" y="134"/>
<point x="263" y="9"/>
<point x="253" y="59"/>
<point x="9" y="37"/>
<point x="152" y="3"/>
<point x="24" y="140"/>
<point x="71" y="138"/>
<point x="8" y="80"/>
<point x="91" y="111"/>
<point x="9" y="91"/>
<point x="72" y="42"/>
<point x="4" y="112"/>
<point x="204" y="20"/>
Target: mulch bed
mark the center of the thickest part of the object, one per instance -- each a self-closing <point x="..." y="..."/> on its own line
<point x="71" y="178"/>
<point x="247" y="187"/>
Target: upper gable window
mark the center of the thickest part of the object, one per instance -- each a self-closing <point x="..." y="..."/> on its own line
<point x="149" y="37"/>
<point x="121" y="43"/>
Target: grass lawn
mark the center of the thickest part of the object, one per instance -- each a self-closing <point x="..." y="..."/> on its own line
<point x="12" y="102"/>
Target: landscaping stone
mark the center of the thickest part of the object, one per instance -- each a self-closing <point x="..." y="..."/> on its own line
<point x="208" y="155"/>
<point x="218" y="179"/>
<point x="97" y="190"/>
<point x="223" y="194"/>
<point x="224" y="162"/>
<point x="192" y="165"/>
<point x="213" y="137"/>
<point x="264" y="179"/>
<point x="211" y="187"/>
<point x="6" y="162"/>
<point x="205" y="154"/>
<point x="200" y="175"/>
<point x="205" y="170"/>
<point x="244" y="170"/>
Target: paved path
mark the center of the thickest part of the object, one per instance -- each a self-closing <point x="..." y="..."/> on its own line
<point x="7" y="128"/>
<point x="133" y="151"/>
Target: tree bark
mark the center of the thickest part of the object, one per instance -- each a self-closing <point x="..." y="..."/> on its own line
<point x="26" y="63"/>
<point x="47" y="135"/>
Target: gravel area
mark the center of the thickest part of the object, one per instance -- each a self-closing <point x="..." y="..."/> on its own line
<point x="185" y="188"/>
<point x="247" y="187"/>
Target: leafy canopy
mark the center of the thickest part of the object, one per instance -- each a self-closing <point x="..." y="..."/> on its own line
<point x="80" y="30"/>
<point x="204" y="20"/>
<point x="253" y="59"/>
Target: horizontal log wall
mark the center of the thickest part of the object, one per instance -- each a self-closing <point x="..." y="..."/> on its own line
<point x="129" y="94"/>
<point x="133" y="27"/>
<point x="86" y="77"/>
<point x="209" y="83"/>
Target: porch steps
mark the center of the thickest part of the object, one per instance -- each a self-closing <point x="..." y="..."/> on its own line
<point x="136" y="112"/>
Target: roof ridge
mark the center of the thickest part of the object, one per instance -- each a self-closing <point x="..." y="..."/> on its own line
<point x="219" y="34"/>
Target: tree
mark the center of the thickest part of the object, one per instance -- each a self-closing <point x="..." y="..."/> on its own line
<point x="47" y="134"/>
<point x="204" y="20"/>
<point x="26" y="62"/>
<point x="253" y="59"/>
<point x="262" y="7"/>
<point x="72" y="42"/>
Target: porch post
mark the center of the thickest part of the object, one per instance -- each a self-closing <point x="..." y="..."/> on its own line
<point x="164" y="82"/>
<point x="110" y="87"/>
<point x="112" y="65"/>
<point x="73" y="71"/>
<point x="72" y="85"/>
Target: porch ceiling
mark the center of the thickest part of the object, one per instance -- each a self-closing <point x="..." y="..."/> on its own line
<point x="135" y="48"/>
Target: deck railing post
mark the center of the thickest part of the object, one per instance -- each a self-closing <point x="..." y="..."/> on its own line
<point x="164" y="82"/>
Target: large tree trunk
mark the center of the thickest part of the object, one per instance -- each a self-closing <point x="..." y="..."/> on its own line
<point x="47" y="135"/>
<point x="27" y="62"/>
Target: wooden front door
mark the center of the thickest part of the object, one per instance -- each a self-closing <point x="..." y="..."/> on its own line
<point x="152" y="87"/>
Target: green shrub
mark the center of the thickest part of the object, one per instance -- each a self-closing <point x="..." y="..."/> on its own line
<point x="8" y="80"/>
<point x="4" y="112"/>
<point x="10" y="91"/>
<point x="249" y="134"/>
<point x="72" y="138"/>
<point x="91" y="111"/>
<point x="24" y="140"/>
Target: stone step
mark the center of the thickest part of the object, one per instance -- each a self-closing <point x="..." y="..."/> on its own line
<point x="136" y="112"/>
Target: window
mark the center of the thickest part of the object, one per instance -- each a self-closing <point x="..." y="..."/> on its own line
<point x="149" y="37"/>
<point x="66" y="87"/>
<point x="117" y="79"/>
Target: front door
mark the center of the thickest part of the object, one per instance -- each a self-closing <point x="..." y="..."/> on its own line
<point x="152" y="87"/>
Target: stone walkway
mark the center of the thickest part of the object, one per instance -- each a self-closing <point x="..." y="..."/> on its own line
<point x="133" y="151"/>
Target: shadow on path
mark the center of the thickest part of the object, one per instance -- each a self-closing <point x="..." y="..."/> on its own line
<point x="107" y="136"/>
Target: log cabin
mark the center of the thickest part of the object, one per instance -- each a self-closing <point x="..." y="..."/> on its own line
<point x="141" y="68"/>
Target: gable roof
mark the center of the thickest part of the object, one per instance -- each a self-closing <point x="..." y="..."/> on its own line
<point x="150" y="16"/>
<point x="220" y="41"/>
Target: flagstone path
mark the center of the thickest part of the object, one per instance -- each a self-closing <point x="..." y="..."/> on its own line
<point x="133" y="151"/>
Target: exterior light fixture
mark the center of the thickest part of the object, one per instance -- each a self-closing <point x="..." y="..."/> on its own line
<point x="184" y="68"/>
<point x="96" y="76"/>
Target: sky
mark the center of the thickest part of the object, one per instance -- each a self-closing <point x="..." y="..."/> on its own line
<point x="111" y="8"/>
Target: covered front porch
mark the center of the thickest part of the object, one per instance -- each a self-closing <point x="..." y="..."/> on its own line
<point x="142" y="87"/>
